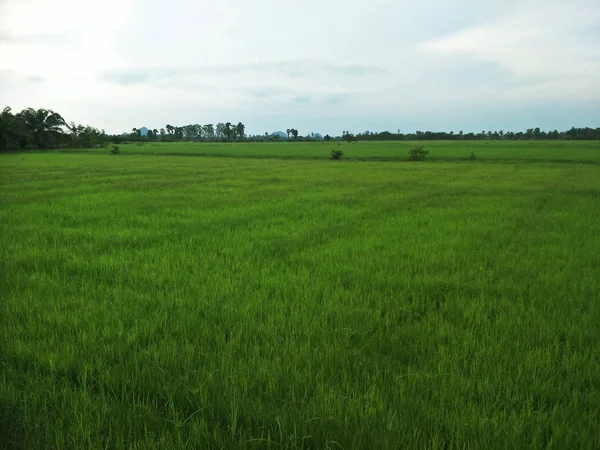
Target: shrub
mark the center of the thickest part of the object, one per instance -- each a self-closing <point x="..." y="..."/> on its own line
<point x="472" y="156"/>
<point x="336" y="154"/>
<point x="115" y="150"/>
<point x="417" y="154"/>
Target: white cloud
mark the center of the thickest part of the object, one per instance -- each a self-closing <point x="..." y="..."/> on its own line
<point x="541" y="41"/>
<point x="121" y="63"/>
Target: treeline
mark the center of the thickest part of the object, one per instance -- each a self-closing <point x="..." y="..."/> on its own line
<point x="193" y="132"/>
<point x="43" y="128"/>
<point x="530" y="134"/>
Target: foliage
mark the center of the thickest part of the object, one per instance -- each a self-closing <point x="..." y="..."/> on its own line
<point x="417" y="154"/>
<point x="336" y="154"/>
<point x="12" y="130"/>
<point x="164" y="302"/>
<point x="86" y="136"/>
<point x="44" y="126"/>
<point x="292" y="133"/>
<point x="115" y="150"/>
<point x="529" y="134"/>
<point x="472" y="156"/>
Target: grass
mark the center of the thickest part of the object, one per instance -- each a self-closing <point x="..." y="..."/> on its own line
<point x="167" y="302"/>
<point x="522" y="151"/>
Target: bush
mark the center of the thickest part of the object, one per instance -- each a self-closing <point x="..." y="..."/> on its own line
<point x="336" y="154"/>
<point x="472" y="156"/>
<point x="115" y="150"/>
<point x="417" y="154"/>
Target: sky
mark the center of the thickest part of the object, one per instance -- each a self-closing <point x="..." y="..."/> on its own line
<point x="318" y="66"/>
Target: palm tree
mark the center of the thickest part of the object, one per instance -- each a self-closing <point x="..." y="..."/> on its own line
<point x="8" y="128"/>
<point x="44" y="125"/>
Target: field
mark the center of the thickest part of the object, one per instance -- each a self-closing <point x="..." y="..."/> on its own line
<point x="493" y="151"/>
<point x="257" y="301"/>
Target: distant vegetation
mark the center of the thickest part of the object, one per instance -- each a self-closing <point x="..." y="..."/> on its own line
<point x="44" y="129"/>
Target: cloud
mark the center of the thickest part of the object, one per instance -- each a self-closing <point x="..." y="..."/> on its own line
<point x="305" y="63"/>
<point x="543" y="44"/>
<point x="32" y="38"/>
<point x="294" y="82"/>
<point x="125" y="78"/>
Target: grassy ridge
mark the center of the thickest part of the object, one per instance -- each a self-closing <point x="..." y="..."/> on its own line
<point x="165" y="302"/>
<point x="540" y="151"/>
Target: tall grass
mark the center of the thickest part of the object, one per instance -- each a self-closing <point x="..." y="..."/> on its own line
<point x="164" y="302"/>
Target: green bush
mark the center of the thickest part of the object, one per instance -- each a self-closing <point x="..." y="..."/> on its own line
<point x="472" y="156"/>
<point x="336" y="154"/>
<point x="417" y="154"/>
<point x="115" y="150"/>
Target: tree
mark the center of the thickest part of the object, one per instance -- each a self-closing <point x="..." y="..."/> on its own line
<point x="220" y="130"/>
<point x="228" y="131"/>
<point x="10" y="129"/>
<point x="44" y="126"/>
<point x="294" y="133"/>
<point x="417" y="154"/>
<point x="86" y="136"/>
<point x="289" y="132"/>
<point x="209" y="131"/>
<point x="240" y="130"/>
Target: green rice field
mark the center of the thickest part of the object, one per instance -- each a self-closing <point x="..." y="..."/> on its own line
<point x="262" y="296"/>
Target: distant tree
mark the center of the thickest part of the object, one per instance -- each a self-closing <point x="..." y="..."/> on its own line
<point x="417" y="154"/>
<point x="220" y="130"/>
<point x="44" y="126"/>
<point x="10" y="129"/>
<point x="337" y="154"/>
<point x="294" y="133"/>
<point x="209" y="131"/>
<point x="228" y="131"/>
<point x="240" y="130"/>
<point x="327" y="137"/>
<point x="85" y="136"/>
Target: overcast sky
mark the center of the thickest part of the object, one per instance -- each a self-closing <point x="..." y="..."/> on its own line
<point x="315" y="65"/>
